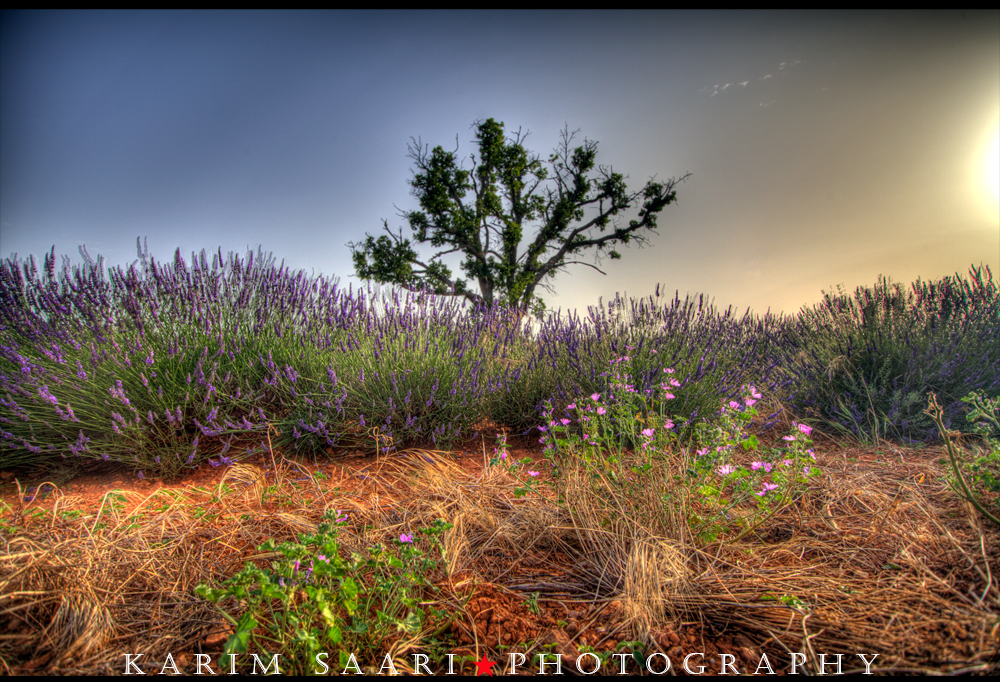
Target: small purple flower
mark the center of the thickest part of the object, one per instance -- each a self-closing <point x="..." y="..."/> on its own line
<point x="788" y="438"/>
<point x="532" y="473"/>
<point x="726" y="469"/>
<point x="404" y="537"/>
<point x="43" y="391"/>
<point x="805" y="429"/>
<point x="768" y="487"/>
<point x="601" y="410"/>
<point x="648" y="433"/>
<point x="565" y="422"/>
<point x="595" y="397"/>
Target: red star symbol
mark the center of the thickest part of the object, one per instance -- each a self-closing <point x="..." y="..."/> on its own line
<point x="484" y="666"/>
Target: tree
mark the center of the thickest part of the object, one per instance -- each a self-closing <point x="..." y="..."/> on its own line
<point x="484" y="214"/>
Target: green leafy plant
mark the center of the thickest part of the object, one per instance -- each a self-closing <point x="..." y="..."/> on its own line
<point x="720" y="495"/>
<point x="730" y="494"/>
<point x="501" y="457"/>
<point x="312" y="600"/>
<point x="598" y="430"/>
<point x="986" y="466"/>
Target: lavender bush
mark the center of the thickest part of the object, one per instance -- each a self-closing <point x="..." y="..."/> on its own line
<point x="863" y="364"/>
<point x="166" y="365"/>
<point x="717" y="353"/>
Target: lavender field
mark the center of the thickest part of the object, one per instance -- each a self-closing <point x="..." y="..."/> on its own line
<point x="165" y="365"/>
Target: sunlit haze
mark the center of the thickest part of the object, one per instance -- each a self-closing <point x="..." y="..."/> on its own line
<point x="991" y="170"/>
<point x="824" y="149"/>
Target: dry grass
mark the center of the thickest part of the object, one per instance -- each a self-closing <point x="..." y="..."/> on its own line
<point x="880" y="558"/>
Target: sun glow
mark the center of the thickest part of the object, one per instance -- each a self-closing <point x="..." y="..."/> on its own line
<point x="987" y="175"/>
<point x="992" y="166"/>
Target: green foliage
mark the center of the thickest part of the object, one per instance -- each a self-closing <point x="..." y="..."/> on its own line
<point x="985" y="468"/>
<point x="485" y="214"/>
<point x="721" y="498"/>
<point x="312" y="600"/>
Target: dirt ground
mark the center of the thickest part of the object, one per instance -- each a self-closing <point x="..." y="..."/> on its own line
<point x="540" y="601"/>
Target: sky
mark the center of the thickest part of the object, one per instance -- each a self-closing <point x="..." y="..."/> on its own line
<point x="824" y="149"/>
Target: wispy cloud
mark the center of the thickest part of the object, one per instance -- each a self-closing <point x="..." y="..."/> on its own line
<point x="780" y="72"/>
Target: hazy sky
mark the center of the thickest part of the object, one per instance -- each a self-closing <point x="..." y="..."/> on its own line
<point x="824" y="148"/>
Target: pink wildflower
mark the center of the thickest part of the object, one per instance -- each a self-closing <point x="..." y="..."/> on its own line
<point x="768" y="487"/>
